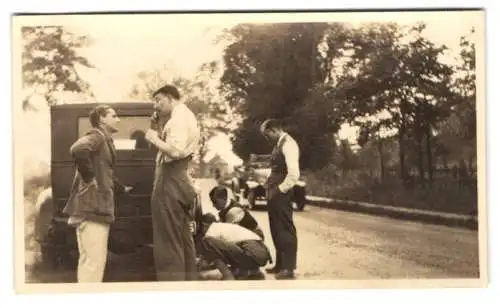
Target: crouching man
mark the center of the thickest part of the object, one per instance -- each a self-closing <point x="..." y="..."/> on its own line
<point x="231" y="211"/>
<point x="235" y="251"/>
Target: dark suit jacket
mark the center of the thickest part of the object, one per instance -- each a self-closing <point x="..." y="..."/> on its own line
<point x="94" y="184"/>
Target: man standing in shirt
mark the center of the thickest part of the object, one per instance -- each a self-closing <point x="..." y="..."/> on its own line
<point x="228" y="244"/>
<point x="173" y="193"/>
<point x="284" y="175"/>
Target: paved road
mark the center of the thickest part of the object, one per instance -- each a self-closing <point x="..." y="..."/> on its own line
<point x="344" y="245"/>
<point x="335" y="245"/>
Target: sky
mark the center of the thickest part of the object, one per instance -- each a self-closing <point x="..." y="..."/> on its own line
<point x="124" y="45"/>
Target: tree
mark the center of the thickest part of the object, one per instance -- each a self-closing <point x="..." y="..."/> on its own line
<point x="345" y="157"/>
<point x="50" y="60"/>
<point x="213" y="113"/>
<point x="457" y="133"/>
<point x="150" y="81"/>
<point x="399" y="84"/>
<point x="278" y="71"/>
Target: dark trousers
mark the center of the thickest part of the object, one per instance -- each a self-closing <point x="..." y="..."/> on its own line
<point x="283" y="230"/>
<point x="174" y="250"/>
<point x="247" y="255"/>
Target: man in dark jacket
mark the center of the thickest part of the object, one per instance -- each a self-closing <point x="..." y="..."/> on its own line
<point x="91" y="202"/>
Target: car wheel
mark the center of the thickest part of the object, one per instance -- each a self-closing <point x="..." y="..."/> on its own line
<point x="59" y="250"/>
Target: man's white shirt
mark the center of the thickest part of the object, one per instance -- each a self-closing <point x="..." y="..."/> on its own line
<point x="181" y="131"/>
<point x="231" y="232"/>
<point x="291" y="152"/>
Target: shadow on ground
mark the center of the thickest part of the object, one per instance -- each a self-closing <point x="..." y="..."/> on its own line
<point x="133" y="267"/>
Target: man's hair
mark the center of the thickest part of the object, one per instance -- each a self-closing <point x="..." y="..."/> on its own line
<point x="168" y="90"/>
<point x="218" y="192"/>
<point x="271" y="124"/>
<point x="96" y="113"/>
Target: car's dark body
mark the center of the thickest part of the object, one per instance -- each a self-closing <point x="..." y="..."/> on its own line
<point x="135" y="163"/>
<point x="251" y="178"/>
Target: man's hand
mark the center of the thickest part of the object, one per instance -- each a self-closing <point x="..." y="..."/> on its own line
<point x="274" y="191"/>
<point x="151" y="136"/>
<point x="127" y="189"/>
<point x="280" y="188"/>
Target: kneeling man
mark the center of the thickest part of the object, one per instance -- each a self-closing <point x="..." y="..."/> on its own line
<point x="236" y="252"/>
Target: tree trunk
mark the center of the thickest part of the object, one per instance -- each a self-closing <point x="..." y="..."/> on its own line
<point x="471" y="165"/>
<point x="313" y="55"/>
<point x="445" y="161"/>
<point x="430" y="163"/>
<point x="202" y="167"/>
<point x="382" y="165"/>
<point x="402" y="166"/>
<point x="420" y="160"/>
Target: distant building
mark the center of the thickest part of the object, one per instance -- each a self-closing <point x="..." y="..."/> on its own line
<point x="217" y="163"/>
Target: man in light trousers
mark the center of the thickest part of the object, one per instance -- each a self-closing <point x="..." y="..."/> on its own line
<point x="90" y="206"/>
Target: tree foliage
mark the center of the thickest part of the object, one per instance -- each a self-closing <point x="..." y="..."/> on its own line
<point x="457" y="133"/>
<point x="213" y="113"/>
<point x="278" y="71"/>
<point x="50" y="60"/>
<point x="384" y="78"/>
<point x="400" y="84"/>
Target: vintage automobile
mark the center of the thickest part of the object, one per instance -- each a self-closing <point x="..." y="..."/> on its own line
<point x="135" y="162"/>
<point x="250" y="179"/>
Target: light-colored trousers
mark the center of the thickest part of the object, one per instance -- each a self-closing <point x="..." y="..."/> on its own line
<point x="92" y="240"/>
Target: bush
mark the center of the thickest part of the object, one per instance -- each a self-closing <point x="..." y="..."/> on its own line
<point x="444" y="195"/>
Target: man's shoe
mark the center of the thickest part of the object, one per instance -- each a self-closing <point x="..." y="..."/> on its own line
<point x="240" y="274"/>
<point x="224" y="270"/>
<point x="285" y="274"/>
<point x="272" y="270"/>
<point x="256" y="275"/>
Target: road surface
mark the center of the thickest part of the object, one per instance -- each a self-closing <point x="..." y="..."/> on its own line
<point x="334" y="245"/>
<point x="343" y="245"/>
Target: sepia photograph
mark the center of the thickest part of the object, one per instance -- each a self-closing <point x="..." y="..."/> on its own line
<point x="163" y="150"/>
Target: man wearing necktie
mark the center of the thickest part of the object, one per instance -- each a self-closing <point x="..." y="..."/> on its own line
<point x="284" y="175"/>
<point x="173" y="193"/>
